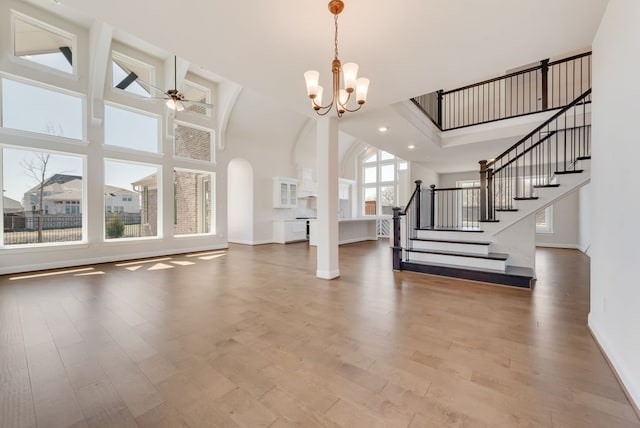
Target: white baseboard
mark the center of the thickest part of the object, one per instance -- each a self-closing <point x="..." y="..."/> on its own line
<point x="328" y="274"/>
<point x="628" y="384"/>
<point x="247" y="242"/>
<point x="59" y="264"/>
<point x="554" y="245"/>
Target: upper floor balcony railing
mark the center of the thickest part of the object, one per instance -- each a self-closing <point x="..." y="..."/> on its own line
<point x="546" y="86"/>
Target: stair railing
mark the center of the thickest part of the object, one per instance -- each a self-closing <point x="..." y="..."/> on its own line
<point x="546" y="86"/>
<point x="533" y="162"/>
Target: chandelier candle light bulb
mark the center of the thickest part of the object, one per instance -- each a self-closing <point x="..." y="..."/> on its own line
<point x="340" y="96"/>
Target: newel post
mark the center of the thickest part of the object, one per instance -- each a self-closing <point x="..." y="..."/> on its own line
<point x="483" y="190"/>
<point x="418" y="204"/>
<point x="544" y="71"/>
<point x="397" y="249"/>
<point x="439" y="115"/>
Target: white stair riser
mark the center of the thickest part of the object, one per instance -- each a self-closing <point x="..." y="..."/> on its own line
<point x="451" y="246"/>
<point x="468" y="262"/>
<point x="452" y="235"/>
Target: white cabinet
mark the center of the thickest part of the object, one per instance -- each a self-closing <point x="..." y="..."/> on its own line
<point x="285" y="192"/>
<point x="289" y="231"/>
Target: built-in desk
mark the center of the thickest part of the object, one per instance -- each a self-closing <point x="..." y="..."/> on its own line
<point x="349" y="230"/>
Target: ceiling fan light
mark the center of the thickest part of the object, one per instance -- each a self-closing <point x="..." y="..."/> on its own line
<point x="171" y="103"/>
<point x="179" y="106"/>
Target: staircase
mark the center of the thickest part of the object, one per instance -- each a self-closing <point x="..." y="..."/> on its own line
<point x="487" y="233"/>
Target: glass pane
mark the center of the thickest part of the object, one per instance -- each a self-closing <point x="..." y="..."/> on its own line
<point x="293" y="194"/>
<point x="194" y="92"/>
<point x="386" y="156"/>
<point x="370" y="174"/>
<point x="51" y="48"/>
<point x="192" y="143"/>
<point x="125" y="128"/>
<point x="284" y="194"/>
<point x="387" y="173"/>
<point x="35" y="109"/>
<point x="130" y="200"/>
<point x="370" y="200"/>
<point x="372" y="158"/>
<point x="387" y="199"/>
<point x="123" y="66"/>
<point x="402" y="166"/>
<point x="193" y="202"/>
<point x="43" y="196"/>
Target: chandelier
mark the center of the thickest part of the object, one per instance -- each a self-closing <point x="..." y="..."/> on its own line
<point x="340" y="96"/>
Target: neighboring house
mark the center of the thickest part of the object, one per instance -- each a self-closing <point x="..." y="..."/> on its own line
<point x="147" y="188"/>
<point x="11" y="206"/>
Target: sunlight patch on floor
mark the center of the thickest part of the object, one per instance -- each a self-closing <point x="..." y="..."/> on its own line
<point x="40" y="275"/>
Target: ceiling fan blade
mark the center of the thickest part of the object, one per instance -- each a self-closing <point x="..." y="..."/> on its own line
<point x="66" y="52"/>
<point x="124" y="83"/>
<point x="200" y="103"/>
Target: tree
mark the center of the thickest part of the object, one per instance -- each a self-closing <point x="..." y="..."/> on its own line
<point x="36" y="168"/>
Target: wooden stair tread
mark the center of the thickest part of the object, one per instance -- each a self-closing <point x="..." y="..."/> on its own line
<point x="541" y="186"/>
<point x="451" y="241"/>
<point x="515" y="276"/>
<point x="449" y="229"/>
<point x="525" y="198"/>
<point x="583" y="158"/>
<point x="510" y="210"/>
<point x="574" y="171"/>
<point x="490" y="256"/>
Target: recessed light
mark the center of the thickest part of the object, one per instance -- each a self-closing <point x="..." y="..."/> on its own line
<point x="383" y="129"/>
<point x="411" y="146"/>
<point x="56" y="1"/>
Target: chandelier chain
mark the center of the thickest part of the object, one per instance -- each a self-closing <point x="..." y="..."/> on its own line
<point x="335" y="19"/>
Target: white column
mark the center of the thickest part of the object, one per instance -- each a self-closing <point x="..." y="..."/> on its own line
<point x="327" y="203"/>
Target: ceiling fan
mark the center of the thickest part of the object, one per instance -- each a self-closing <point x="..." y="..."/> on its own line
<point x="175" y="100"/>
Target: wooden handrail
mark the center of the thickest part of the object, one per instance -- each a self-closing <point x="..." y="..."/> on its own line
<point x="537" y="129"/>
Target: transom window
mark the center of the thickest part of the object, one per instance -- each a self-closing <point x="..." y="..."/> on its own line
<point x="43" y="44"/>
<point x="131" y="75"/>
<point x="380" y="182"/>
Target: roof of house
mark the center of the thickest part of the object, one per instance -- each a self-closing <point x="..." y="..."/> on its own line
<point x="11" y="205"/>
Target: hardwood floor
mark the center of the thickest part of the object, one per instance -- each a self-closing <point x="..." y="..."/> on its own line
<point x="251" y="338"/>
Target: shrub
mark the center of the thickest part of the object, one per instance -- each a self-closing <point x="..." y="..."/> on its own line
<point x="115" y="227"/>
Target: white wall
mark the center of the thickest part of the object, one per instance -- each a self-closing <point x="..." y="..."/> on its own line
<point x="565" y="221"/>
<point x="264" y="133"/>
<point x="584" y="240"/>
<point x="615" y="290"/>
<point x="421" y="172"/>
<point x="240" y="201"/>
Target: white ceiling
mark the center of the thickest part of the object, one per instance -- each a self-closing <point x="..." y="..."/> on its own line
<point x="406" y="47"/>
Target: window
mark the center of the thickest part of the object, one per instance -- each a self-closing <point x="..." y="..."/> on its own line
<point x="544" y="220"/>
<point x="380" y="182"/>
<point x="130" y="199"/>
<point x="193" y="143"/>
<point x="131" y="75"/>
<point x="45" y="111"/>
<point x="47" y="192"/>
<point x="194" y="92"/>
<point x="43" y="44"/>
<point x="130" y="129"/>
<point x="192" y="202"/>
<point x="468" y="202"/>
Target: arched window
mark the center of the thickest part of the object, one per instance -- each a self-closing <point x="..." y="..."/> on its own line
<point x="380" y="182"/>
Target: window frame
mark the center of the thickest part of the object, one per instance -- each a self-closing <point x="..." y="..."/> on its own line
<point x="52" y="88"/>
<point x="14" y="14"/>
<point x="159" y="138"/>
<point x="212" y="144"/>
<point x="378" y="163"/>
<point x="548" y="228"/>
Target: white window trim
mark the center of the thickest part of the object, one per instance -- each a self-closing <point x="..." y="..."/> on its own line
<point x="33" y="21"/>
<point x="42" y="85"/>
<point x="548" y="230"/>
